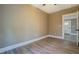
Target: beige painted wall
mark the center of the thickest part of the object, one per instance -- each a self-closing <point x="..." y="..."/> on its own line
<point x="55" y="21"/>
<point x="21" y="23"/>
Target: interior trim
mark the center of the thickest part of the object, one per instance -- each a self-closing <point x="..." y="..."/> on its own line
<point x="59" y="37"/>
<point x="25" y="43"/>
<point x="20" y="44"/>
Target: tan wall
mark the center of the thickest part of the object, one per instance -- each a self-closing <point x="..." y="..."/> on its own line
<point x="55" y="21"/>
<point x="22" y="23"/>
<point x="19" y="23"/>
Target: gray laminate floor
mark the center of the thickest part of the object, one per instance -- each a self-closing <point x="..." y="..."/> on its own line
<point x="47" y="46"/>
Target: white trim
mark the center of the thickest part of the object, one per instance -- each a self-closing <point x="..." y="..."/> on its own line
<point x="20" y="44"/>
<point x="59" y="37"/>
<point x="27" y="42"/>
<point x="77" y="27"/>
<point x="70" y="14"/>
<point x="63" y="26"/>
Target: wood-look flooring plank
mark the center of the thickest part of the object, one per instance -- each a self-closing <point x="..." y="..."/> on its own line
<point x="47" y="46"/>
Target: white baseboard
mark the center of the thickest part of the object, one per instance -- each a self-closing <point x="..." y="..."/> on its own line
<point x="25" y="43"/>
<point x="20" y="44"/>
<point x="59" y="37"/>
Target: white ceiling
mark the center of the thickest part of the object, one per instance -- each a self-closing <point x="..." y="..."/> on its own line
<point x="51" y="8"/>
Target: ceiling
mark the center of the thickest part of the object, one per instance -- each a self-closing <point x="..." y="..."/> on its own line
<point x="51" y="8"/>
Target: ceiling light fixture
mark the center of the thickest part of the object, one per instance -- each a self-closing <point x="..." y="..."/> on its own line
<point x="44" y="4"/>
<point x="55" y="4"/>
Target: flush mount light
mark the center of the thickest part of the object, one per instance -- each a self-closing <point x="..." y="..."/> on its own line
<point x="44" y="4"/>
<point x="55" y="4"/>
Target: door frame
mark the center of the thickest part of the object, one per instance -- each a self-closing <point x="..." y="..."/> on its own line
<point x="77" y="27"/>
<point x="76" y="13"/>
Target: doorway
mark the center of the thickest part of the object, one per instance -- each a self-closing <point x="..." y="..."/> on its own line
<point x="70" y="27"/>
